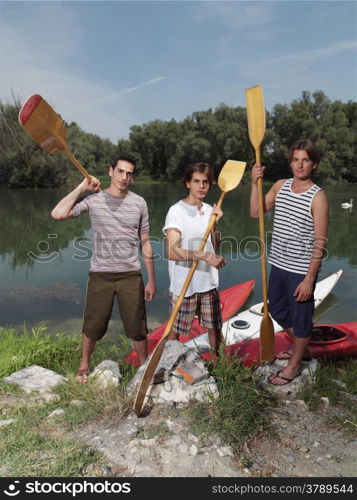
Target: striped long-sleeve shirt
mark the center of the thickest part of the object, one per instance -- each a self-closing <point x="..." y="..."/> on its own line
<point x="117" y="224"/>
<point x="293" y="229"/>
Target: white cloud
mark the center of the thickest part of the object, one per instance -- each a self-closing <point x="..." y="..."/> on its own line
<point x="133" y="89"/>
<point x="303" y="58"/>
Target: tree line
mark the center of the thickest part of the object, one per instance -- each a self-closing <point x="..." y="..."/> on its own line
<point x="164" y="148"/>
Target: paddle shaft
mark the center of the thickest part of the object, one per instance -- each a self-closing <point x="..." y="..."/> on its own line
<point x="75" y="162"/>
<point x="262" y="235"/>
<point x="156" y="355"/>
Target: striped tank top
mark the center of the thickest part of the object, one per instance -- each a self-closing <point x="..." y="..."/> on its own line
<point x="293" y="230"/>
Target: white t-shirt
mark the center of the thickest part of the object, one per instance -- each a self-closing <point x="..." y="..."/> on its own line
<point x="192" y="225"/>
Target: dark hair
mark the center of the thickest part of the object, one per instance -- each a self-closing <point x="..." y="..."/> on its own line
<point x="203" y="168"/>
<point x="310" y="148"/>
<point x="124" y="157"/>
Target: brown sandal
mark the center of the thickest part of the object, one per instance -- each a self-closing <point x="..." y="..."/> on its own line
<point x="82" y="376"/>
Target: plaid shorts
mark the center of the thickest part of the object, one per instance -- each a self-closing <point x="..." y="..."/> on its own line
<point x="205" y="305"/>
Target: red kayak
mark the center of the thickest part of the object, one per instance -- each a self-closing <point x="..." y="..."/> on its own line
<point x="327" y="341"/>
<point x="231" y="299"/>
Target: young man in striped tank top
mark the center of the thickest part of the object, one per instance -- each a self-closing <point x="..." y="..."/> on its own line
<point x="120" y="224"/>
<point x="297" y="249"/>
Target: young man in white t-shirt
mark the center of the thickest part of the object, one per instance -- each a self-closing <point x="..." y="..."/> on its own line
<point x="185" y="225"/>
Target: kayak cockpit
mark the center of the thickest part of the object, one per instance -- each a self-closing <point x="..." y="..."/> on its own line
<point x="326" y="335"/>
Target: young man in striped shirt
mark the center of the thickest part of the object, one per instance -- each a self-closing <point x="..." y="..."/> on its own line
<point x="297" y="249"/>
<point x="120" y="224"/>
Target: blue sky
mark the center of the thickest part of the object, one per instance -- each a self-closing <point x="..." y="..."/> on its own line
<point x="110" y="65"/>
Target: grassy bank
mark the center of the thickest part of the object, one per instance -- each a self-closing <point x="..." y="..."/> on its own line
<point x="40" y="444"/>
<point x="239" y="412"/>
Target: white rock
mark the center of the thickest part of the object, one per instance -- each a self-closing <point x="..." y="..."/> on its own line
<point x="7" y="422"/>
<point x="302" y="403"/>
<point x="49" y="397"/>
<point x="133" y="443"/>
<point x="77" y="402"/>
<point x="174" y="354"/>
<point x="170" y="424"/>
<point x="149" y="442"/>
<point x="325" y="401"/>
<point x="56" y="413"/>
<point x="35" y="378"/>
<point x="178" y="391"/>
<point x="107" y="372"/>
<point x="193" y="450"/>
<point x="292" y="388"/>
<point x="193" y="438"/>
<point x="224" y="451"/>
<point x="339" y="383"/>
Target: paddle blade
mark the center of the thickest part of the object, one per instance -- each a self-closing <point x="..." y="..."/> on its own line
<point x="148" y="375"/>
<point x="43" y="124"/>
<point x="256" y="115"/>
<point x="231" y="175"/>
<point x="267" y="338"/>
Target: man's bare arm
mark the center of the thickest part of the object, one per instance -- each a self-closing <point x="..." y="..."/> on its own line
<point x="175" y="252"/>
<point x="269" y="199"/>
<point x="147" y="255"/>
<point x="63" y="209"/>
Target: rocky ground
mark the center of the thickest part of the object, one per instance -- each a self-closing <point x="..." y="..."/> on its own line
<point x="301" y="444"/>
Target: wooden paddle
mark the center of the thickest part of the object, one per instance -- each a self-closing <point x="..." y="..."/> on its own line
<point x="46" y="128"/>
<point x="256" y="129"/>
<point x="229" y="178"/>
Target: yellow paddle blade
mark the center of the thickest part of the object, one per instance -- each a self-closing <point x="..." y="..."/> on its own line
<point x="231" y="175"/>
<point x="43" y="124"/>
<point x="256" y="115"/>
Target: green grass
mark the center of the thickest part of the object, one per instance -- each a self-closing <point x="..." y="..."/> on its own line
<point x="238" y="413"/>
<point x="61" y="353"/>
<point x="328" y="372"/>
<point x="35" y="445"/>
<point x="31" y="447"/>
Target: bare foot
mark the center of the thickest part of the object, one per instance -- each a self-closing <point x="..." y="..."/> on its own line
<point x="82" y="375"/>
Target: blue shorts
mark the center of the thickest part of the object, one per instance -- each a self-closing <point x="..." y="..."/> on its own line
<point x="282" y="304"/>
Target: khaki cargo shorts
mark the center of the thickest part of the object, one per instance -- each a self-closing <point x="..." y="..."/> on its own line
<point x="129" y="290"/>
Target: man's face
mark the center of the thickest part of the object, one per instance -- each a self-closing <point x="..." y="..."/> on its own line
<point x="122" y="175"/>
<point x="301" y="164"/>
<point x="198" y="185"/>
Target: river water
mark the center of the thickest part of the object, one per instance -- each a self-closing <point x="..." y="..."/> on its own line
<point x="44" y="263"/>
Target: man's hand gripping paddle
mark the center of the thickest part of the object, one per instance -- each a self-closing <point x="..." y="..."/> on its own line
<point x="46" y="128"/>
<point x="229" y="178"/>
<point x="256" y="129"/>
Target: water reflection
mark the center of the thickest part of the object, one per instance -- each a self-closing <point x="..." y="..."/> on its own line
<point x="28" y="231"/>
<point x="41" y="278"/>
